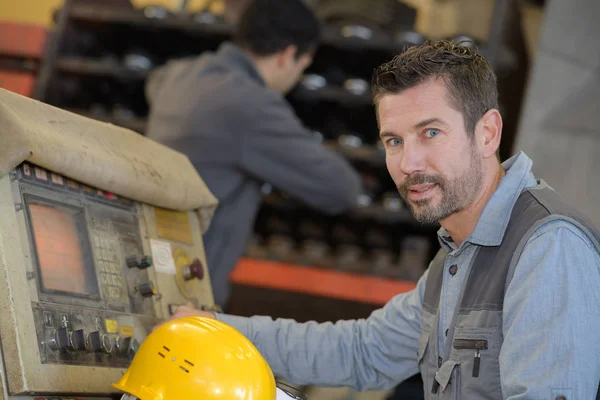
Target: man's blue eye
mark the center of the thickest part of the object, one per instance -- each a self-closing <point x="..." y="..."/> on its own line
<point x="395" y="142"/>
<point x="431" y="132"/>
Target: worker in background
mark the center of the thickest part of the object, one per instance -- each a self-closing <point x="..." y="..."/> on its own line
<point x="200" y="358"/>
<point x="227" y="112"/>
<point x="509" y="308"/>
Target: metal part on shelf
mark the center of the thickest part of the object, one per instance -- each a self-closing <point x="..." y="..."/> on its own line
<point x="281" y="248"/>
<point x="313" y="82"/>
<point x="356" y="86"/>
<point x="410" y="38"/>
<point x="156" y="12"/>
<point x="357" y="31"/>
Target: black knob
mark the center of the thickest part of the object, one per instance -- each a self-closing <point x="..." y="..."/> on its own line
<point x="94" y="342"/>
<point x="77" y="340"/>
<point x="194" y="270"/>
<point x="123" y="343"/>
<point x="133" y="348"/>
<point x="59" y="340"/>
<point x="146" y="289"/>
<point x="141" y="262"/>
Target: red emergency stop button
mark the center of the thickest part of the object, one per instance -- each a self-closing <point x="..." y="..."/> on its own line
<point x="194" y="271"/>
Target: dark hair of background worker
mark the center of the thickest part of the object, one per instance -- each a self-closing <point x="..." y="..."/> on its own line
<point x="227" y="112"/>
<point x="280" y="37"/>
<point x="269" y="27"/>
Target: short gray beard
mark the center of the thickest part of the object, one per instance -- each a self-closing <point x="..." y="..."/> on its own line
<point x="456" y="195"/>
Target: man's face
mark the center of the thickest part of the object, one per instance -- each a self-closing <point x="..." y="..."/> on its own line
<point x="434" y="163"/>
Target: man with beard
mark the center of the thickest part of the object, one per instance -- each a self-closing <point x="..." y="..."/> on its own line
<point x="509" y="308"/>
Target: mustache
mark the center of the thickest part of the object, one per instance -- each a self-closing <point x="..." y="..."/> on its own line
<point x="419" y="179"/>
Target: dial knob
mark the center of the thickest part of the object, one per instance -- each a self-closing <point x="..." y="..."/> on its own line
<point x="77" y="340"/>
<point x="123" y="343"/>
<point x="147" y="289"/>
<point x="107" y="344"/>
<point x="141" y="262"/>
<point x="59" y="339"/>
<point x="194" y="270"/>
<point x="133" y="348"/>
<point x="94" y="342"/>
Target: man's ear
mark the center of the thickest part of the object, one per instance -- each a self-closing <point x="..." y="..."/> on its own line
<point x="287" y="55"/>
<point x="488" y="132"/>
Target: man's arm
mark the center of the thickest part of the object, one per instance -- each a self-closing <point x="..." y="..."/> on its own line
<point x="279" y="150"/>
<point x="370" y="354"/>
<point x="552" y="318"/>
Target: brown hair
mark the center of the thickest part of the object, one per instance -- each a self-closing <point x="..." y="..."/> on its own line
<point x="469" y="78"/>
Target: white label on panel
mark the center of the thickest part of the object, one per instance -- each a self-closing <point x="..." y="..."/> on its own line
<point x="162" y="257"/>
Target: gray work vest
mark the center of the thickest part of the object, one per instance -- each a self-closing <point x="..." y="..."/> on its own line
<point x="469" y="368"/>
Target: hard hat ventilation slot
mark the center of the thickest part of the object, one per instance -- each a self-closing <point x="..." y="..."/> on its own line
<point x="187" y="371"/>
<point x="161" y="354"/>
<point x="187" y="362"/>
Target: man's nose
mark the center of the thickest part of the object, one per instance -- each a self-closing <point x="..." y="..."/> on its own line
<point x="413" y="159"/>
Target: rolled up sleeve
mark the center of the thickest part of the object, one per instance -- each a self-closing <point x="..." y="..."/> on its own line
<point x="368" y="354"/>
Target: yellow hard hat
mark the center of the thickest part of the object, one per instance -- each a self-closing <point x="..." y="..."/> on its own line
<point x="198" y="358"/>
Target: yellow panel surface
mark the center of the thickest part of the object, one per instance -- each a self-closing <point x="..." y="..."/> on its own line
<point x="126" y="330"/>
<point x="112" y="326"/>
<point x="174" y="225"/>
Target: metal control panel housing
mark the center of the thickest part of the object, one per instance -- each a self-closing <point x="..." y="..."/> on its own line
<point x="86" y="275"/>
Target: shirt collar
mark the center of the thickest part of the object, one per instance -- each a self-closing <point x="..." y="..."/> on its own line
<point x="235" y="57"/>
<point x="490" y="228"/>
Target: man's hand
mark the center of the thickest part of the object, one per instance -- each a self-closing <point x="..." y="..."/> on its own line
<point x="185" y="311"/>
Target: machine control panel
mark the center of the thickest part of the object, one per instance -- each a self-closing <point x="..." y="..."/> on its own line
<point x="95" y="293"/>
<point x="87" y="273"/>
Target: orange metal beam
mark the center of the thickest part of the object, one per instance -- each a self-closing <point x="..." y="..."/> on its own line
<point x="318" y="282"/>
<point x="18" y="82"/>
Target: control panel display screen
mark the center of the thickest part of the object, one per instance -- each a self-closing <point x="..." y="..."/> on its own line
<point x="59" y="237"/>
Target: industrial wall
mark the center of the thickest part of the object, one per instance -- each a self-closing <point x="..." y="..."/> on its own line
<point x="560" y="127"/>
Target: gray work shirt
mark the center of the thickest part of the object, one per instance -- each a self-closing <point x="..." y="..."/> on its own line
<point x="240" y="134"/>
<point x="551" y="316"/>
